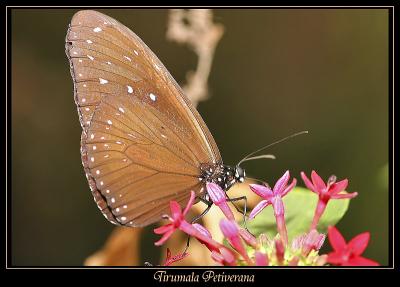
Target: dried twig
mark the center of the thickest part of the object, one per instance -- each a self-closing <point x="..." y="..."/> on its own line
<point x="196" y="29"/>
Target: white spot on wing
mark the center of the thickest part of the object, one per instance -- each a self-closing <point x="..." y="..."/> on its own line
<point x="90" y="57"/>
<point x="134" y="51"/>
<point x="89" y="41"/>
<point x="129" y="59"/>
<point x="109" y="122"/>
<point x="97" y="29"/>
<point x="121" y="110"/>
<point x="153" y="97"/>
<point x="103" y="81"/>
<point x="130" y="90"/>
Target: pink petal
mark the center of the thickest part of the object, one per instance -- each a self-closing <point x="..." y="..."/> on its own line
<point x="344" y="195"/>
<point x="216" y="256"/>
<point x="261" y="190"/>
<point x="289" y="188"/>
<point x="336" y="239"/>
<point x="308" y="183"/>
<point x="190" y="202"/>
<point x="317" y="181"/>
<point x="362" y="261"/>
<point x="164" y="237"/>
<point x="192" y="230"/>
<point x="226" y="210"/>
<point x="231" y="232"/>
<point x="281" y="183"/>
<point x="258" y="208"/>
<point x="358" y="244"/>
<point x="261" y="259"/>
<point x="228" y="256"/>
<point x="320" y="241"/>
<point x="248" y="238"/>
<point x="163" y="229"/>
<point x="229" y="228"/>
<point x="202" y="230"/>
<point x="176" y="210"/>
<point x="313" y="241"/>
<point x="336" y="258"/>
<point x="338" y="187"/>
<point x="216" y="193"/>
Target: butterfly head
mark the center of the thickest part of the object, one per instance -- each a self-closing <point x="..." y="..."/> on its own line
<point x="240" y="174"/>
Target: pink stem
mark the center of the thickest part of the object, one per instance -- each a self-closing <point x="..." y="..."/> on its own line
<point x="281" y="225"/>
<point x="318" y="213"/>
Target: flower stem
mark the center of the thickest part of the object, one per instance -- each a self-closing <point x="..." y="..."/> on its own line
<point x="318" y="213"/>
<point x="281" y="225"/>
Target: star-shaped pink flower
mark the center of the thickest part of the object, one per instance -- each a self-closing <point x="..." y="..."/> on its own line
<point x="274" y="197"/>
<point x="348" y="254"/>
<point x="326" y="192"/>
<point x="177" y="220"/>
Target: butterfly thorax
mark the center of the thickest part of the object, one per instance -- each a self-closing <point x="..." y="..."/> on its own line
<point x="223" y="175"/>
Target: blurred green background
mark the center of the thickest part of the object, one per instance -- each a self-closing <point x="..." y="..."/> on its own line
<point x="275" y="72"/>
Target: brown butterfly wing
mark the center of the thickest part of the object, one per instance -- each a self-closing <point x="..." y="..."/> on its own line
<point x="142" y="142"/>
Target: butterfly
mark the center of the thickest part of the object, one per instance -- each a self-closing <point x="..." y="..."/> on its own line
<point x="143" y="143"/>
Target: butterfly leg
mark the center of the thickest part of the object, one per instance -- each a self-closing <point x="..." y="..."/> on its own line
<point x="196" y="218"/>
<point x="232" y="200"/>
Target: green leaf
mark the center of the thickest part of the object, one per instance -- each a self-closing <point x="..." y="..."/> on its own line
<point x="300" y="205"/>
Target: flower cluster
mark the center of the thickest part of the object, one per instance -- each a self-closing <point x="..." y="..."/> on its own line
<point x="243" y="248"/>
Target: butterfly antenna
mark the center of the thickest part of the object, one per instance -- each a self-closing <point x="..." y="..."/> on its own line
<point x="248" y="157"/>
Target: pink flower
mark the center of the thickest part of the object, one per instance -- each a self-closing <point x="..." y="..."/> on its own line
<point x="178" y="222"/>
<point x="231" y="232"/>
<point x="169" y="260"/>
<point x="308" y="242"/>
<point x="331" y="190"/>
<point x="348" y="254"/>
<point x="218" y="197"/>
<point x="274" y="197"/>
<point x="177" y="219"/>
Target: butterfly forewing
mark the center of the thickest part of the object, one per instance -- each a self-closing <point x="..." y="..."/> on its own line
<point x="142" y="143"/>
